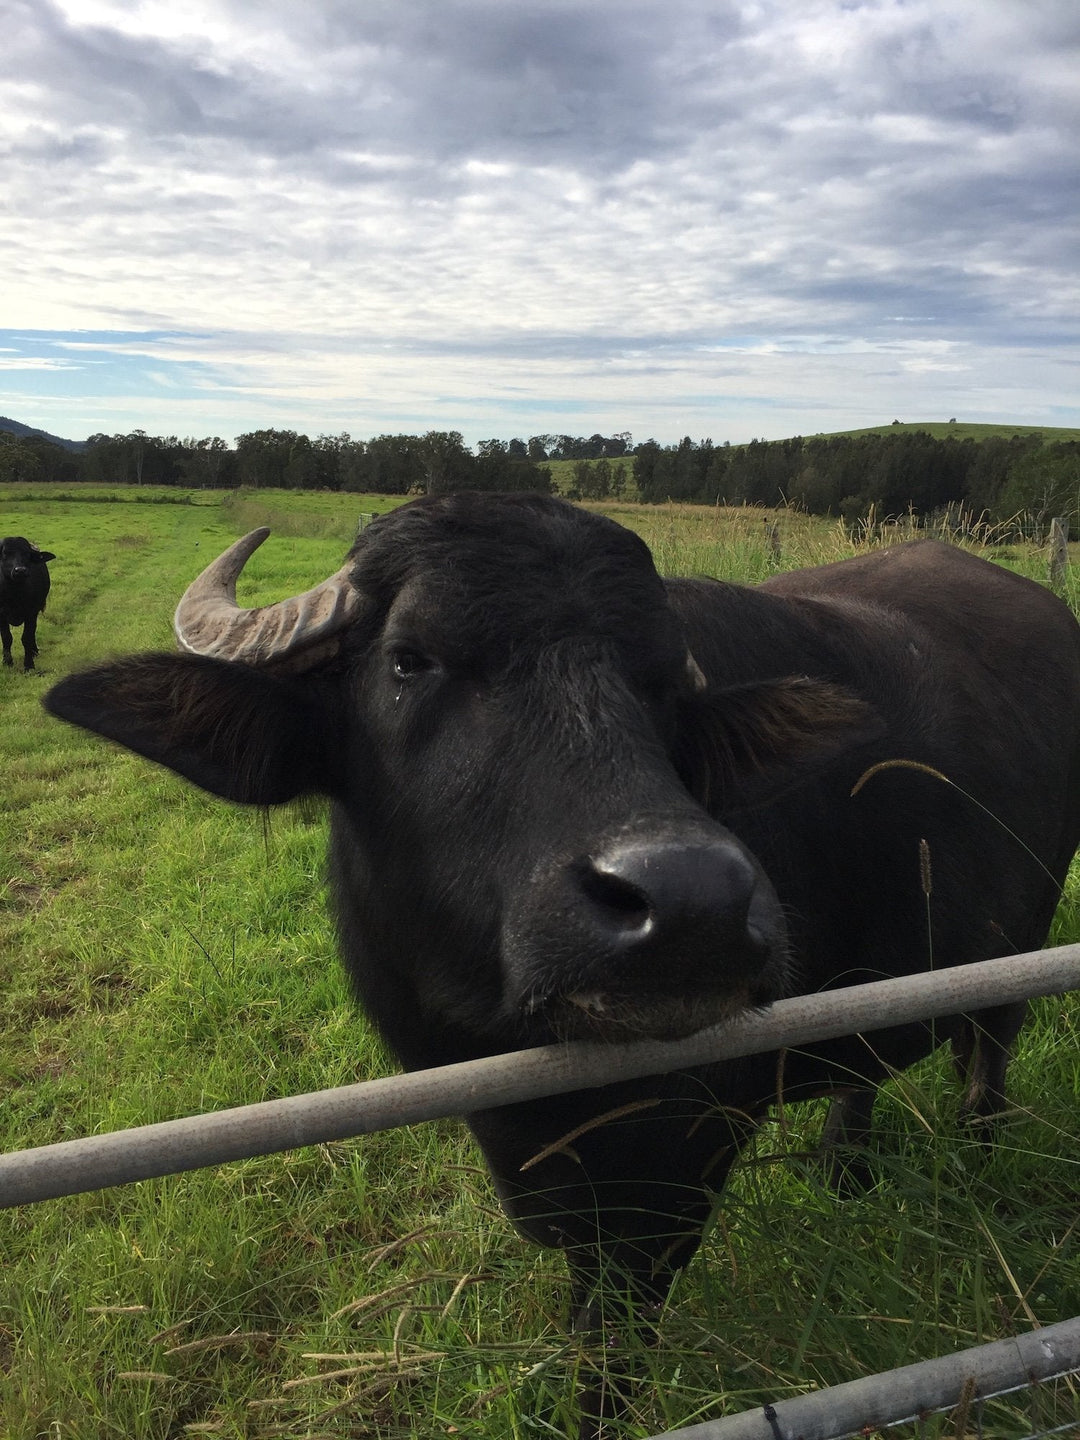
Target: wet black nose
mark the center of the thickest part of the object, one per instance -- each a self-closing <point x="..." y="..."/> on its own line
<point x="644" y="899"/>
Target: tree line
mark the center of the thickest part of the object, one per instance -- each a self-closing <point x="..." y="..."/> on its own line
<point x="842" y="475"/>
<point x="387" y="464"/>
<point x="281" y="459"/>
<point x="890" y="474"/>
<point x="285" y="459"/>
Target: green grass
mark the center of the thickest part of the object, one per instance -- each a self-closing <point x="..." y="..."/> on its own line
<point x="163" y="954"/>
<point x="737" y="543"/>
<point x="963" y="430"/>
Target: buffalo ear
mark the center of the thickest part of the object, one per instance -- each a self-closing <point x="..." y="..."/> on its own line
<point x="767" y="728"/>
<point x="241" y="734"/>
<point x="783" y="720"/>
<point x="44" y="555"/>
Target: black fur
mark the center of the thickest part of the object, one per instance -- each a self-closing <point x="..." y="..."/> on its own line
<point x="24" y="588"/>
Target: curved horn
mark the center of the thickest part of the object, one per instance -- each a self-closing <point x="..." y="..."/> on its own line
<point x="694" y="674"/>
<point x="208" y="620"/>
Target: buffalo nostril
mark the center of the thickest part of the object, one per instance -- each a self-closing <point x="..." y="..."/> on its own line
<point x="662" y="894"/>
<point x="622" y="906"/>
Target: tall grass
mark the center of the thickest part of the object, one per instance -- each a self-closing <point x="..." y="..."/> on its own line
<point x="163" y="954"/>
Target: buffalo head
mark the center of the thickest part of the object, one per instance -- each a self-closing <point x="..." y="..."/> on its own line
<point x="19" y="558"/>
<point x="498" y="699"/>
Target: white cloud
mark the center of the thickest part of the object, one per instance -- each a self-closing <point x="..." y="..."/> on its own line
<point x="31" y="363"/>
<point x="403" y="199"/>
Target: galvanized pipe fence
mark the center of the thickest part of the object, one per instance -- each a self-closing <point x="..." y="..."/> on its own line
<point x="861" y="1406"/>
<point x="172" y="1146"/>
<point x="909" y="1394"/>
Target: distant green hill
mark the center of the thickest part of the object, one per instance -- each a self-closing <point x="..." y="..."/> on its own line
<point x="21" y="432"/>
<point x="959" y="430"/>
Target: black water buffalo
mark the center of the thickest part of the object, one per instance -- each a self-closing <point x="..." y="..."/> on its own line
<point x="24" y="588"/>
<point x="572" y="799"/>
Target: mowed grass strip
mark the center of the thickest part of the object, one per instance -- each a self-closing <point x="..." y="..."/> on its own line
<point x="163" y="954"/>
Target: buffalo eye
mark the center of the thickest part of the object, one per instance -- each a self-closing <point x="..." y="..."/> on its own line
<point x="407" y="664"/>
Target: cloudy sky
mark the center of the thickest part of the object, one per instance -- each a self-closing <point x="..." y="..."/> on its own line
<point x="725" y="218"/>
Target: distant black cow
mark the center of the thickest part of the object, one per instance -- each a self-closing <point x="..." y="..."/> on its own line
<point x="24" y="587"/>
<point x="572" y="799"/>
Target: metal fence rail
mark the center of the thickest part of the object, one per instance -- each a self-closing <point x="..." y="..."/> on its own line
<point x="172" y="1146"/>
<point x="911" y="1393"/>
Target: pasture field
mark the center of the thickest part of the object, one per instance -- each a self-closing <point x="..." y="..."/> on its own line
<point x="162" y="954"/>
<point x="968" y="430"/>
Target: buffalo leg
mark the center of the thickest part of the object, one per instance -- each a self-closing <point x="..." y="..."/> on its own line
<point x="981" y="1051"/>
<point x="29" y="642"/>
<point x="616" y="1315"/>
<point x="848" y="1127"/>
<point x="5" y="638"/>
